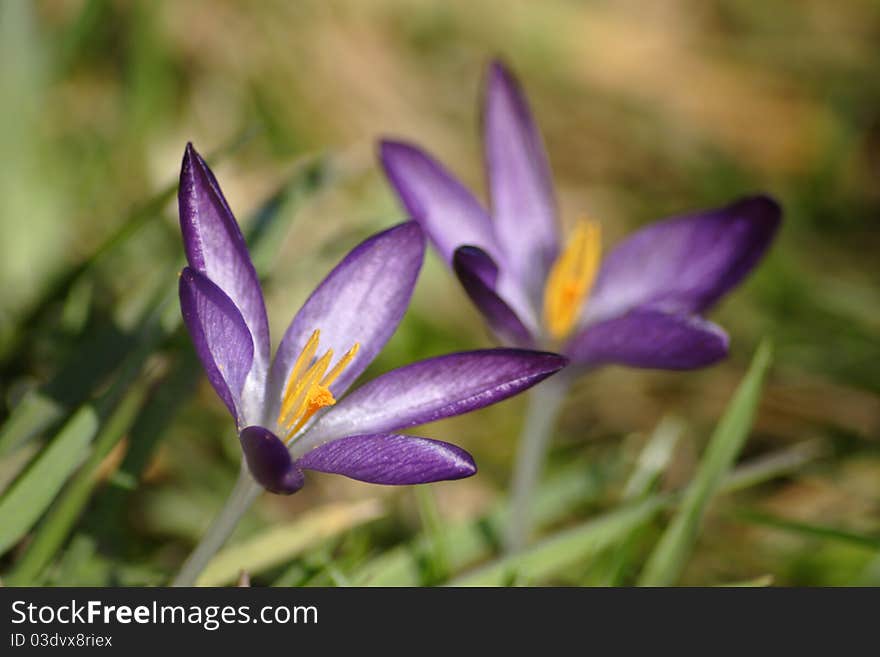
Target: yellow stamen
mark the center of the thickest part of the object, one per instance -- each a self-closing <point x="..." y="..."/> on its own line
<point x="571" y="279"/>
<point x="305" y="357"/>
<point x="341" y="365"/>
<point x="307" y="390"/>
<point x="299" y="398"/>
<point x="319" y="397"/>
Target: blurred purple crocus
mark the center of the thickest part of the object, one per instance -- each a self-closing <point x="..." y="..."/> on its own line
<point x="641" y="306"/>
<point x="286" y="408"/>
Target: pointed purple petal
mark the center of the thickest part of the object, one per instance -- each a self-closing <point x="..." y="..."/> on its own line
<point x="216" y="248"/>
<point x="390" y="459"/>
<point x="520" y="183"/>
<point x="650" y="339"/>
<point x="685" y="264"/>
<point x="448" y="212"/>
<point x="433" y="389"/>
<point x="220" y="336"/>
<point x="362" y="300"/>
<point x="269" y="461"/>
<point x="478" y="273"/>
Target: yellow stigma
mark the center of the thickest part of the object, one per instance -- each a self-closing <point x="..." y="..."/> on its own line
<point x="308" y="387"/>
<point x="571" y="278"/>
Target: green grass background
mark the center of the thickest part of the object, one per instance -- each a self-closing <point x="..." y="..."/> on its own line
<point x="647" y="109"/>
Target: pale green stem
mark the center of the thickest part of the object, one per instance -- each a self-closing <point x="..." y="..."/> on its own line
<point x="240" y="499"/>
<point x="544" y="403"/>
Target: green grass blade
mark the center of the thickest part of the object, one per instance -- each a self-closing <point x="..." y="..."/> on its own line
<point x="654" y="458"/>
<point x="79" y="557"/>
<point x="475" y="540"/>
<point x="71" y="446"/>
<point x="437" y="562"/>
<point x="89" y="367"/>
<point x="560" y="552"/>
<point x="278" y="545"/>
<point x="33" y="414"/>
<point x="789" y="459"/>
<point x="811" y="530"/>
<point x="62" y="517"/>
<point x="650" y="466"/>
<point x="34" y="490"/>
<point x="668" y="558"/>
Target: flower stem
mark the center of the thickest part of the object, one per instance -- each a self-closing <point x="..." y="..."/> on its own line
<point x="240" y="499"/>
<point x="544" y="403"/>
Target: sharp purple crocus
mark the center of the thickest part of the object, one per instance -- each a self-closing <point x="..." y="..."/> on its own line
<point x="641" y="306"/>
<point x="286" y="408"/>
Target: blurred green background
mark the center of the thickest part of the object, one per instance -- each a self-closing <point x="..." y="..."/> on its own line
<point x="647" y="109"/>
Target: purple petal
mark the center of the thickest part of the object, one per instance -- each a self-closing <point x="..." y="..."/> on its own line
<point x="651" y="339"/>
<point x="433" y="389"/>
<point x="478" y="274"/>
<point x="216" y="248"/>
<point x="362" y="300"/>
<point x="477" y="263"/>
<point x="448" y="212"/>
<point x="520" y="183"/>
<point x="685" y="264"/>
<point x="220" y="336"/>
<point x="269" y="461"/>
<point x="390" y="459"/>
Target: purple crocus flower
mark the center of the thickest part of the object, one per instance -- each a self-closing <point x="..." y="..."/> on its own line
<point x="641" y="306"/>
<point x="286" y="408"/>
